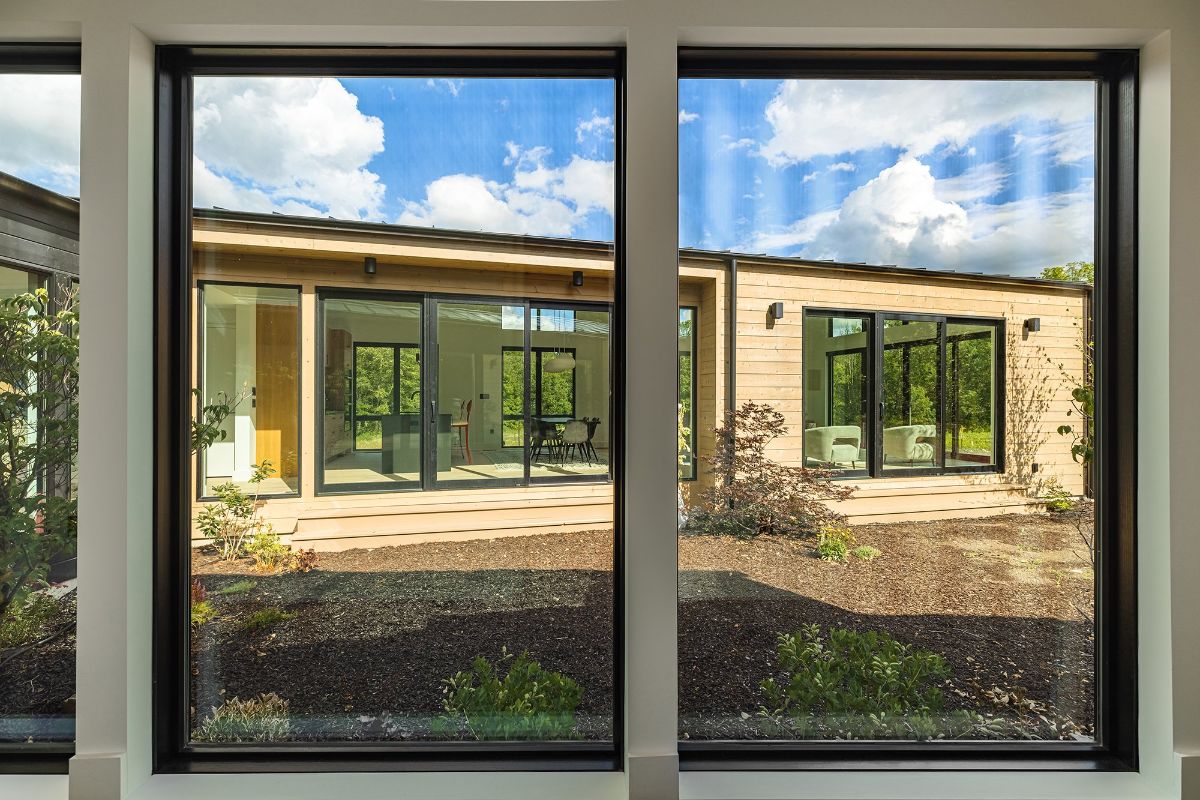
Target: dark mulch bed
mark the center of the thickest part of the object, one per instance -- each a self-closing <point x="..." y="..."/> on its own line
<point x="1005" y="600"/>
<point x="37" y="683"/>
<point x="379" y="630"/>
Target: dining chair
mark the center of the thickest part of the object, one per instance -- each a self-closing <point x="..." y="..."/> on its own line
<point x="463" y="426"/>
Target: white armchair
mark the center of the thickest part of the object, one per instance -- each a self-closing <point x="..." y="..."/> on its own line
<point x="834" y="444"/>
<point x="900" y="444"/>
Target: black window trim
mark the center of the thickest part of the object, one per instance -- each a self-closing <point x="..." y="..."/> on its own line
<point x="693" y="439"/>
<point x="1114" y="311"/>
<point x="37" y="58"/>
<point x="176" y="64"/>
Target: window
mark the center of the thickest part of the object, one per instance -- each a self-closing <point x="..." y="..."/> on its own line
<point x="250" y="363"/>
<point x="39" y="402"/>
<point x="404" y="356"/>
<point x="937" y="399"/>
<point x="902" y="254"/>
<point x="687" y="393"/>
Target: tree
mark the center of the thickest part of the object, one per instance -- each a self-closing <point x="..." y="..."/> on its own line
<point x="39" y="438"/>
<point x="1077" y="271"/>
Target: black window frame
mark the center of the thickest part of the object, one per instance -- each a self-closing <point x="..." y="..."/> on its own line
<point x="176" y="65"/>
<point x="39" y="58"/>
<point x="535" y="385"/>
<point x="1114" y="310"/>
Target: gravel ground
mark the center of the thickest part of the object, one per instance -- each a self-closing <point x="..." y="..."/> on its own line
<point x="376" y="631"/>
<point x="37" y="685"/>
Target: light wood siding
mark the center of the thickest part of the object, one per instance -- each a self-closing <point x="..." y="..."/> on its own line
<point x="769" y="369"/>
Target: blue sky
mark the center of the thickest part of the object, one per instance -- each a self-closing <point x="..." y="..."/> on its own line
<point x="976" y="176"/>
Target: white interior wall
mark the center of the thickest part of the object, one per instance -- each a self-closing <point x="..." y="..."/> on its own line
<point x="113" y="758"/>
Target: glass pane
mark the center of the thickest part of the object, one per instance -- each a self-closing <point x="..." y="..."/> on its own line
<point x="970" y="394"/>
<point x="911" y="394"/>
<point x="39" y="408"/>
<point x="372" y="402"/>
<point x="250" y="365"/>
<point x="687" y="393"/>
<point x="892" y="394"/>
<point x="836" y="358"/>
<point x="454" y="279"/>
<point x="570" y="420"/>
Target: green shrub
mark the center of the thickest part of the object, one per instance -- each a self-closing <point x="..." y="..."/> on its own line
<point x="833" y="543"/>
<point x="232" y="522"/>
<point x="202" y="612"/>
<point x="526" y="703"/>
<point x="1057" y="498"/>
<point x="29" y="621"/>
<point x="866" y="552"/>
<point x="267" y="618"/>
<point x="853" y="685"/>
<point x="238" y="587"/>
<point x="260" y="719"/>
<point x="269" y="554"/>
<point x="752" y="494"/>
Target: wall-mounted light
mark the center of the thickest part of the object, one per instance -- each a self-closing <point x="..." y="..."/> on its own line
<point x="1033" y="324"/>
<point x="577" y="278"/>
<point x="776" y="310"/>
<point x="369" y="265"/>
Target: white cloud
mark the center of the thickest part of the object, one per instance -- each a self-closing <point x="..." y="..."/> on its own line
<point x="539" y="199"/>
<point x="904" y="217"/>
<point x="976" y="183"/>
<point x="686" y="116"/>
<point x="811" y="118"/>
<point x="39" y="129"/>
<point x="450" y="85"/>
<point x="740" y="144"/>
<point x="812" y="176"/>
<point x="598" y="126"/>
<point x="842" y="166"/>
<point x="285" y="144"/>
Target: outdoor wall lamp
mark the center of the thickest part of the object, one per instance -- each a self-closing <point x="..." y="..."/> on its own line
<point x="776" y="310"/>
<point x="369" y="265"/>
<point x="1033" y="324"/>
<point x="577" y="278"/>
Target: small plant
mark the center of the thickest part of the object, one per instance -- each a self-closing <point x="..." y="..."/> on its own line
<point x="269" y="554"/>
<point x="866" y="552"/>
<point x="1057" y="498"/>
<point x="199" y="593"/>
<point x="29" y="621"/>
<point x="260" y="719"/>
<point x="233" y="520"/>
<point x="527" y="702"/>
<point x="238" y="587"/>
<point x="303" y="561"/>
<point x="752" y="494"/>
<point x="851" y="682"/>
<point x="833" y="543"/>
<point x="202" y="612"/>
<point x="272" y="555"/>
<point x="267" y="618"/>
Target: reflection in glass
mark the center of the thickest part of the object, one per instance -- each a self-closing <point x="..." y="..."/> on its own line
<point x="911" y="394"/>
<point x="251" y="348"/>
<point x="836" y="359"/>
<point x="687" y="393"/>
<point x="372" y="400"/>
<point x="970" y="394"/>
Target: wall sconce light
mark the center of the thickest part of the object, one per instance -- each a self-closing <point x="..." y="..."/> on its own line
<point x="776" y="310"/>
<point x="577" y="278"/>
<point x="1033" y="324"/>
<point x="369" y="265"/>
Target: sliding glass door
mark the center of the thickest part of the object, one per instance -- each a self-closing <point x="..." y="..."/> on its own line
<point x="371" y="422"/>
<point x="912" y="393"/>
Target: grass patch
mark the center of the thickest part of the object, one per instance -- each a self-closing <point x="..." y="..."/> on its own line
<point x="866" y="552"/>
<point x="240" y="587"/>
<point x="267" y="618"/>
<point x="202" y="612"/>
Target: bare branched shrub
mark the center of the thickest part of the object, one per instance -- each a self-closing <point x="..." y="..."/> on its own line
<point x="753" y="494"/>
<point x="1029" y="392"/>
